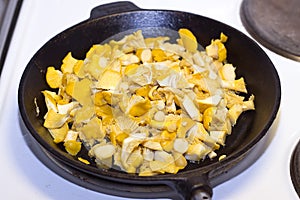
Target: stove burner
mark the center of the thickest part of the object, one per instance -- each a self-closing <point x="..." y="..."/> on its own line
<point x="295" y="168"/>
<point x="275" y="24"/>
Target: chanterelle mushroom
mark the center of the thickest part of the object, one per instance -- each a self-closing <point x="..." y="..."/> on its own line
<point x="145" y="105"/>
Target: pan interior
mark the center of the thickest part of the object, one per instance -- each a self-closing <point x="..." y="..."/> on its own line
<point x="251" y="62"/>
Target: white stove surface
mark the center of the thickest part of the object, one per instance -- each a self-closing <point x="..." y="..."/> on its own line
<point x="23" y="176"/>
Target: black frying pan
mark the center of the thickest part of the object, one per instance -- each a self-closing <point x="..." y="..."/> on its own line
<point x="108" y="21"/>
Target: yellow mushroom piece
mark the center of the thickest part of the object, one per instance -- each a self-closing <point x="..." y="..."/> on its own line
<point x="68" y="63"/>
<point x="78" y="66"/>
<point x="59" y="134"/>
<point x="143" y="91"/>
<point x="134" y="160"/>
<point x="72" y="147"/>
<point x="159" y="55"/>
<point x="197" y="151"/>
<point x="208" y="115"/>
<point x="131" y="69"/>
<point x="146" y="56"/>
<point x="222" y="52"/>
<point x="227" y="72"/>
<point x="99" y="99"/>
<point x="181" y="145"/>
<point x="54" y="120"/>
<point x="153" y="145"/>
<point x="191" y="108"/>
<point x="188" y="39"/>
<point x="93" y="130"/>
<point x="185" y="125"/>
<point x="213" y="100"/>
<point x="138" y="106"/>
<point x="180" y="160"/>
<point x="82" y="91"/>
<point x="103" y="151"/>
<point x="109" y="80"/>
<point x="51" y="99"/>
<point x="237" y="85"/>
<point x="217" y="48"/>
<point x="104" y="111"/>
<point x="85" y="161"/>
<point x="121" y="137"/>
<point x="54" y="77"/>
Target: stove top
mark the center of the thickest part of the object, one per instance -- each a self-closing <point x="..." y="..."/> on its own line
<point x="9" y="11"/>
<point x="27" y="177"/>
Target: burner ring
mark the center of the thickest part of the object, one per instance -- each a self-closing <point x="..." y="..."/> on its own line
<point x="274" y="24"/>
<point x="295" y="168"/>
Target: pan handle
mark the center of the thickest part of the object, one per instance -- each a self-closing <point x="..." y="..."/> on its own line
<point x="193" y="188"/>
<point x="113" y="8"/>
<point x="201" y="194"/>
